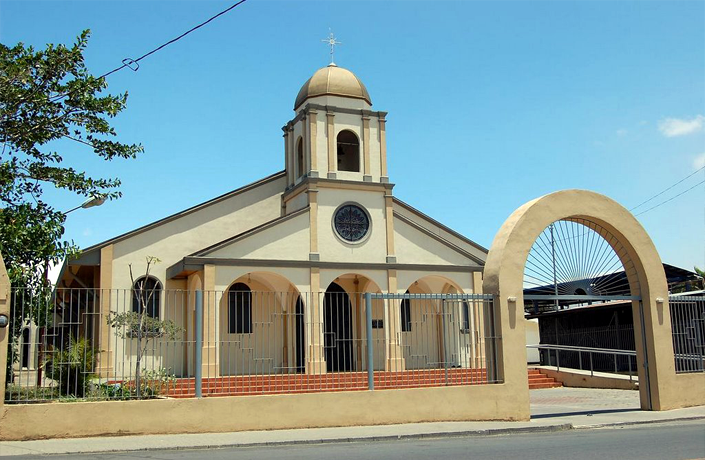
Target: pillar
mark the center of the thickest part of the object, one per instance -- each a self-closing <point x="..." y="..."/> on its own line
<point x="106" y="338"/>
<point x="211" y="305"/>
<point x="330" y="135"/>
<point x="315" y="360"/>
<point x="394" y="354"/>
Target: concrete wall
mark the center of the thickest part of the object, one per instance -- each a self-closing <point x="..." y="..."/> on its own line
<point x="169" y="416"/>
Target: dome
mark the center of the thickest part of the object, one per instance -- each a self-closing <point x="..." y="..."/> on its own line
<point x="334" y="81"/>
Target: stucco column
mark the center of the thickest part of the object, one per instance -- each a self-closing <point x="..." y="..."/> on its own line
<point x="312" y="150"/>
<point x="394" y="354"/>
<point x="389" y="224"/>
<point x="330" y="135"/>
<point x="383" y="149"/>
<point x="304" y="139"/>
<point x="292" y="157"/>
<point x="106" y="340"/>
<point x="367" y="177"/>
<point x="211" y="365"/>
<point x="313" y="223"/>
<point x="315" y="361"/>
<point x="287" y="157"/>
<point x="5" y="296"/>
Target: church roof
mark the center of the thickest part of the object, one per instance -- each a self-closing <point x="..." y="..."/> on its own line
<point x="334" y="81"/>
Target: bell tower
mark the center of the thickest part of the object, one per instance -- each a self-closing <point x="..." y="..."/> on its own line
<point x="335" y="133"/>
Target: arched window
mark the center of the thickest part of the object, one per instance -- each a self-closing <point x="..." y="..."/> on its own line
<point x="348" y="152"/>
<point x="25" y="348"/>
<point x="406" y="315"/>
<point x="300" y="158"/>
<point x="240" y="309"/>
<point x="146" y="296"/>
<point x="465" y="317"/>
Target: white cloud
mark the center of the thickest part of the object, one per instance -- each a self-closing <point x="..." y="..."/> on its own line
<point x="699" y="161"/>
<point x="88" y="231"/>
<point x="621" y="132"/>
<point x="672" y="127"/>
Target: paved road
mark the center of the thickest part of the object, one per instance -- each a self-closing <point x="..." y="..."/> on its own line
<point x="682" y="440"/>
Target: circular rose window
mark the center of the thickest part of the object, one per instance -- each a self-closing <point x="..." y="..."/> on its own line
<point x="351" y="222"/>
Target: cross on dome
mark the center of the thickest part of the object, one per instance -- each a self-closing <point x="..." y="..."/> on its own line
<point x="332" y="42"/>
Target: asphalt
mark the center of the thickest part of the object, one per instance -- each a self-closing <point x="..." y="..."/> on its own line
<point x="556" y="409"/>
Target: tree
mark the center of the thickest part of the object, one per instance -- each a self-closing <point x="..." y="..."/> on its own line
<point x="49" y="103"/>
<point x="139" y="325"/>
<point x="48" y="96"/>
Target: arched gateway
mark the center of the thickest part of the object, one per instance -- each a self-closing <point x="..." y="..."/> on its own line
<point x="661" y="387"/>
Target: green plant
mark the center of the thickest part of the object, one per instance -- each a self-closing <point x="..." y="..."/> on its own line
<point x="72" y="366"/>
<point x="155" y="382"/>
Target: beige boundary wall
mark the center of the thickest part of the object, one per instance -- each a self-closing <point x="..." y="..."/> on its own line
<point x="270" y="412"/>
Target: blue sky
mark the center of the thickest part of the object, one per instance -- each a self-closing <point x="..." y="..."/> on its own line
<point x="490" y="104"/>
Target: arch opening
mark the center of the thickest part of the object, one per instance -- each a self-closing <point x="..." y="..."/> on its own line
<point x="348" y="151"/>
<point x="255" y="308"/>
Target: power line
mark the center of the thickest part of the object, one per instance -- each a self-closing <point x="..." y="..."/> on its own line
<point x="664" y="191"/>
<point x="673" y="197"/>
<point x="133" y="65"/>
<point x="128" y="61"/>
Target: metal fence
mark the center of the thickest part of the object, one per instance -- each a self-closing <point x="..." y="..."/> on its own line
<point x="124" y="344"/>
<point x="586" y="358"/>
<point x="688" y="327"/>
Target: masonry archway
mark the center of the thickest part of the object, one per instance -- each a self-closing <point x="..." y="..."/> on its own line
<point x="661" y="388"/>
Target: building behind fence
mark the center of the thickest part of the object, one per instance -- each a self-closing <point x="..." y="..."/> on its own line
<point x="244" y="342"/>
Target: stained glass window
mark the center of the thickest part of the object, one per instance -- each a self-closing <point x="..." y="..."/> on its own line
<point x="351" y="222"/>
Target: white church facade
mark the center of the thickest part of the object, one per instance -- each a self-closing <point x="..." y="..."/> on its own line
<point x="283" y="261"/>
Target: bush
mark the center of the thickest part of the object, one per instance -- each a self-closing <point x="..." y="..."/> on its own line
<point x="72" y="367"/>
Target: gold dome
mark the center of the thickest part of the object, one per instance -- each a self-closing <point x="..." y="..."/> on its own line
<point x="334" y="81"/>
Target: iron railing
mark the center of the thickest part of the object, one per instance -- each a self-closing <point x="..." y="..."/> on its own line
<point x="688" y="328"/>
<point x="115" y="344"/>
<point x="586" y="357"/>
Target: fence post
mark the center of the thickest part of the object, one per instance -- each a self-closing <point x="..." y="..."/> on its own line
<point x="443" y="338"/>
<point x="199" y="344"/>
<point x="370" y="352"/>
<point x="5" y="296"/>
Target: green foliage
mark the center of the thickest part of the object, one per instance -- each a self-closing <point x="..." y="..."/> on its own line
<point x="72" y="367"/>
<point x="50" y="106"/>
<point x="133" y="325"/>
<point x="47" y="96"/>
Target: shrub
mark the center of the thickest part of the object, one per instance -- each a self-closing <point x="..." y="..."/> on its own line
<point x="72" y="366"/>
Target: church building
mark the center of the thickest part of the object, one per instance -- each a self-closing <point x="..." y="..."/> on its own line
<point x="283" y="261"/>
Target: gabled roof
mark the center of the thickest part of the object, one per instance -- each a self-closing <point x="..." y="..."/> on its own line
<point x="440" y="225"/>
<point x="85" y="253"/>
<point x="233" y="239"/>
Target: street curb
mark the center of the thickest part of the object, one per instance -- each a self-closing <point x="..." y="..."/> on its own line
<point x="638" y="422"/>
<point x="341" y="440"/>
<point x="438" y="435"/>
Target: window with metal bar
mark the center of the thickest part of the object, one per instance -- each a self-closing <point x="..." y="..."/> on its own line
<point x="146" y="294"/>
<point x="240" y="309"/>
<point x="406" y="315"/>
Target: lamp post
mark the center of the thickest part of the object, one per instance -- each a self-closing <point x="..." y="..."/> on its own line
<point x="95" y="200"/>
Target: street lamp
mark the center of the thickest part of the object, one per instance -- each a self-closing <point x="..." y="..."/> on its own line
<point x="95" y="200"/>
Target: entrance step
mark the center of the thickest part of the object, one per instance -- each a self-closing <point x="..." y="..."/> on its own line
<point x="539" y="380"/>
<point x="302" y="383"/>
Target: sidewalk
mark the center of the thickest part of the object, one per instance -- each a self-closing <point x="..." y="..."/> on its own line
<point x="555" y="409"/>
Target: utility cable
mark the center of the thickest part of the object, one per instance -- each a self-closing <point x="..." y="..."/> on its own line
<point x="133" y="64"/>
<point x="128" y="62"/>
<point x="673" y="197"/>
<point x="669" y="188"/>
